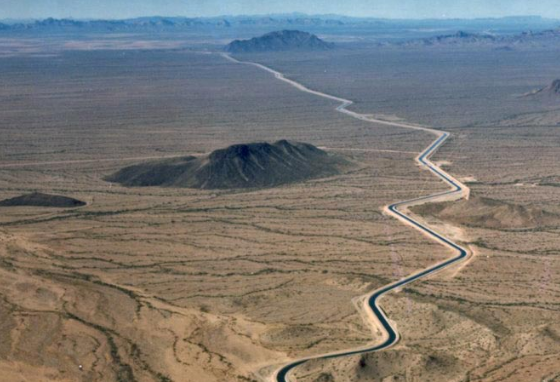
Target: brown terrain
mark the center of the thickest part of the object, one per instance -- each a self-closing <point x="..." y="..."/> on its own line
<point x="489" y="213"/>
<point x="185" y="284"/>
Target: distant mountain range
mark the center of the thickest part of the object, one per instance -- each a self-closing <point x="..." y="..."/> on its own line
<point x="280" y="41"/>
<point x="165" y="23"/>
<point x="464" y="38"/>
<point x="502" y="33"/>
<point x="147" y="23"/>
<point x="273" y="21"/>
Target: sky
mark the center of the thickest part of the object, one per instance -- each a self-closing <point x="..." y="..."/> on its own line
<point x="117" y="9"/>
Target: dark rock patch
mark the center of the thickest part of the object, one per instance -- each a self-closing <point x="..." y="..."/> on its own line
<point x="38" y="199"/>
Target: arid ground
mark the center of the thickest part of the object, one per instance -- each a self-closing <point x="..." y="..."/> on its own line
<point x="164" y="284"/>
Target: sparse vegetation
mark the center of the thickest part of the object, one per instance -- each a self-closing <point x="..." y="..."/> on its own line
<point x="163" y="284"/>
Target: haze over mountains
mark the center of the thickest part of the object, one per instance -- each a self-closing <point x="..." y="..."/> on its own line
<point x="546" y="37"/>
<point x="429" y="32"/>
<point x="253" y="165"/>
<point x="501" y="33"/>
<point x="283" y="21"/>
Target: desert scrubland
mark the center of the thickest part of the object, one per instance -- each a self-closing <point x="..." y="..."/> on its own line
<point x="164" y="284"/>
<point x="495" y="318"/>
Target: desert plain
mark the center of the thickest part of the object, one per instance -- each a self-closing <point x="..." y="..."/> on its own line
<point x="175" y="284"/>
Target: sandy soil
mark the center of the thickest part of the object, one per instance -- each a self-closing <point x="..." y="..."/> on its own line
<point x="159" y="284"/>
<point x="228" y="278"/>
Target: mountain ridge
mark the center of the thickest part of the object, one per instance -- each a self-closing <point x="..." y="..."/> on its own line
<point x="277" y="20"/>
<point x="485" y="39"/>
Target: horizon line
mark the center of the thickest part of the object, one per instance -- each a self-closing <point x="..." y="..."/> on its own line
<point x="14" y="19"/>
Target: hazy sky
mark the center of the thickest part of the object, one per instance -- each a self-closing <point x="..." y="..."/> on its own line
<point x="374" y="8"/>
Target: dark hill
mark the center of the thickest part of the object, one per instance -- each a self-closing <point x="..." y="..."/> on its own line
<point x="459" y="38"/>
<point x="551" y="91"/>
<point x="540" y="38"/>
<point x="37" y="199"/>
<point x="254" y="165"/>
<point x="553" y="88"/>
<point x="278" y="42"/>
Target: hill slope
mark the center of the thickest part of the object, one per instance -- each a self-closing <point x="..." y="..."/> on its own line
<point x="279" y="41"/>
<point x="254" y="165"/>
<point x="551" y="91"/>
<point x="489" y="213"/>
<point x="37" y="199"/>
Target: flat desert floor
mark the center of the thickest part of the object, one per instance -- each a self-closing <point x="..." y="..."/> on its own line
<point x="161" y="284"/>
